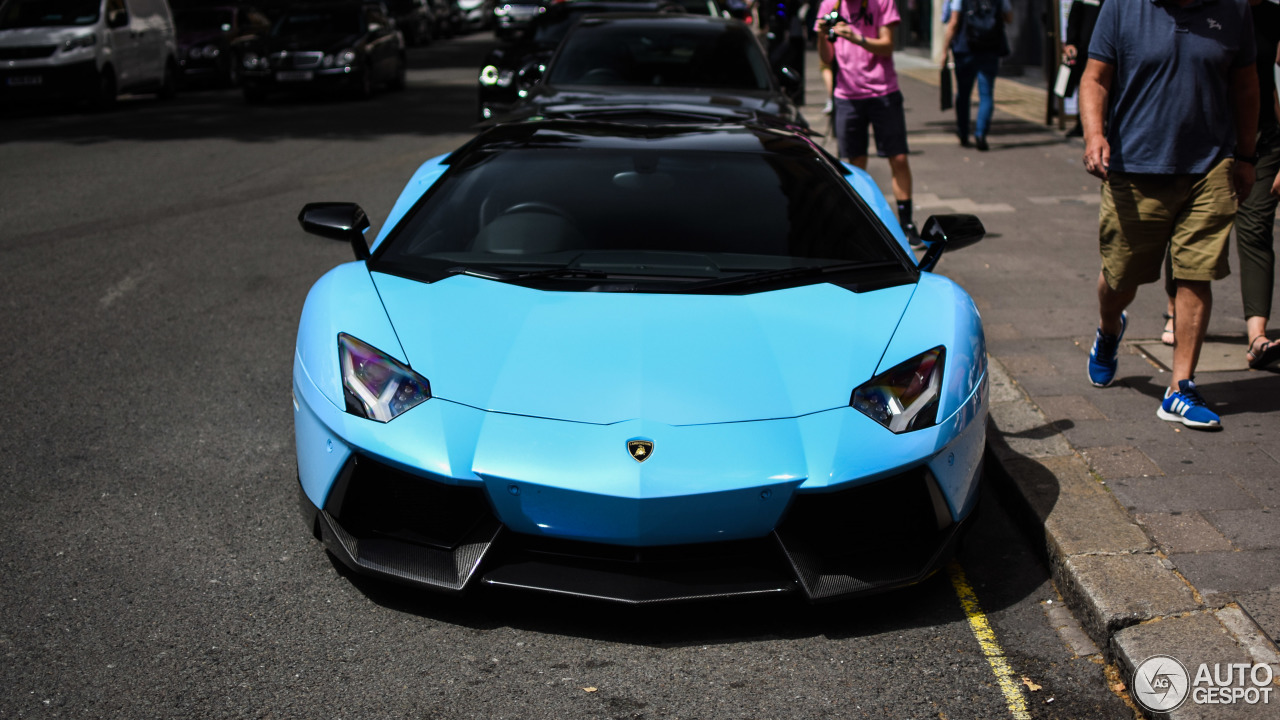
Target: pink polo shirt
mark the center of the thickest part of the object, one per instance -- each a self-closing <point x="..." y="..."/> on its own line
<point x="860" y="73"/>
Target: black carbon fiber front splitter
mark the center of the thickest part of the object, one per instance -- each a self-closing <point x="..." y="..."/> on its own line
<point x="411" y="563"/>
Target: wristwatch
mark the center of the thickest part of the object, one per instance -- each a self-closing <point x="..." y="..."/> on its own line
<point x="1241" y="157"/>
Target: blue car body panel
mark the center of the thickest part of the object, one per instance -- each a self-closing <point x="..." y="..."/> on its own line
<point x="611" y="357"/>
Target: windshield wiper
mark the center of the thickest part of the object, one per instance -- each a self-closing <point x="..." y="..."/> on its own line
<point x="770" y="277"/>
<point x="528" y="275"/>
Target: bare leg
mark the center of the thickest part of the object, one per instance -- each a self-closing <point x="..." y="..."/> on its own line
<point x="901" y="177"/>
<point x="1111" y="303"/>
<point x="859" y="162"/>
<point x="1193" y="305"/>
<point x="1257" y="326"/>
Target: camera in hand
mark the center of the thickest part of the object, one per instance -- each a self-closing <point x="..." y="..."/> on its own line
<point x="830" y="20"/>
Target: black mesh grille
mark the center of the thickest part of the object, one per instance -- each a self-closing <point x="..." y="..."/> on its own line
<point x="371" y="499"/>
<point x="876" y="536"/>
<point x="27" y="52"/>
<point x="387" y="522"/>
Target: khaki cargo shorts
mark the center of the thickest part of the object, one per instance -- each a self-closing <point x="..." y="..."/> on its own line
<point x="1143" y="216"/>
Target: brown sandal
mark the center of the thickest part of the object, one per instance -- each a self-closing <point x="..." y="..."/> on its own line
<point x="1260" y="358"/>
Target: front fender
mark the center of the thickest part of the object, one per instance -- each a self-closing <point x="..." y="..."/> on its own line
<point x="342" y="300"/>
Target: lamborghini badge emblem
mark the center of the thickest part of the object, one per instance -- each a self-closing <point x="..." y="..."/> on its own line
<point x="640" y="449"/>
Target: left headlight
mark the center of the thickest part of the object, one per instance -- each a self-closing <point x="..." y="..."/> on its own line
<point x="376" y="386"/>
<point x="905" y="397"/>
<point x="347" y="57"/>
<point x="76" y="43"/>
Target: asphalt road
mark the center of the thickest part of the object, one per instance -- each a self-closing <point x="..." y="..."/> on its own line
<point x="152" y="558"/>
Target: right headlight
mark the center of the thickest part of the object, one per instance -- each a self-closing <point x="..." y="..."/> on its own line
<point x="375" y="385"/>
<point x="905" y="397"/>
<point x="76" y="43"/>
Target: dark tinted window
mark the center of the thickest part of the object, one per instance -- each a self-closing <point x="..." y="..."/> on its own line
<point x="323" y="21"/>
<point x="552" y="27"/>
<point x="675" y="54"/>
<point x="734" y="210"/>
<point x="47" y="13"/>
<point x="222" y="19"/>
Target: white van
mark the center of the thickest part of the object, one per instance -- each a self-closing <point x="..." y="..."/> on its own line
<point x="86" y="49"/>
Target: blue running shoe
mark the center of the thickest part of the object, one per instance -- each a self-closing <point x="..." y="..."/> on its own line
<point x="1187" y="407"/>
<point x="1102" y="359"/>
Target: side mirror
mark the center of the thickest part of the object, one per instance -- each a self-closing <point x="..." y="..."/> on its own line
<point x="789" y="80"/>
<point x="948" y="232"/>
<point x="117" y="18"/>
<point x="337" y="221"/>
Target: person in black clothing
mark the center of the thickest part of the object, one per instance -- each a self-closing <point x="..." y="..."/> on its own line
<point x="1075" y="47"/>
<point x="1256" y="217"/>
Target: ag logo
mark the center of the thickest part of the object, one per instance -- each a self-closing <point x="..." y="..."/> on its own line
<point x="640" y="449"/>
<point x="1160" y="683"/>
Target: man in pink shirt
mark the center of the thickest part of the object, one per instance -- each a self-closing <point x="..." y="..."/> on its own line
<point x="860" y="38"/>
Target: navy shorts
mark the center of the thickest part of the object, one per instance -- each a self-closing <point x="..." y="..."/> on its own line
<point x="884" y="113"/>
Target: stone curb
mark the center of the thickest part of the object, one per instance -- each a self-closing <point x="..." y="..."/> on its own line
<point x="1127" y="596"/>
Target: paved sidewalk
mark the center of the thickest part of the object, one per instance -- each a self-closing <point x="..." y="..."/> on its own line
<point x="1162" y="539"/>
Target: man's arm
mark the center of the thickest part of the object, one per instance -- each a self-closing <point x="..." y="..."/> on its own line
<point x="1095" y="89"/>
<point x="952" y="25"/>
<point x="1245" y="105"/>
<point x="881" y="45"/>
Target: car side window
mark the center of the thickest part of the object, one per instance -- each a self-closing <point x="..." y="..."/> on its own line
<point x="258" y="20"/>
<point x="116" y="12"/>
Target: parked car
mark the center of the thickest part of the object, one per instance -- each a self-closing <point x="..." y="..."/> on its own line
<point x="509" y="71"/>
<point x="512" y="19"/>
<point x="641" y="364"/>
<point x="350" y="47"/>
<point x="682" y="66"/>
<point x="449" y="18"/>
<point x="211" y="40"/>
<point x="415" y="19"/>
<point x="87" y="50"/>
<point x="477" y="14"/>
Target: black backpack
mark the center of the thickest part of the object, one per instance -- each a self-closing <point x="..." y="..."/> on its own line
<point x="984" y="27"/>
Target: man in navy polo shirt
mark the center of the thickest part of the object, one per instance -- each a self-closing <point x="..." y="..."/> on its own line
<point x="1173" y="84"/>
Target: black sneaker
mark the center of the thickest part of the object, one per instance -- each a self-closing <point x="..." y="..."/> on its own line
<point x="913" y="235"/>
<point x="980" y="142"/>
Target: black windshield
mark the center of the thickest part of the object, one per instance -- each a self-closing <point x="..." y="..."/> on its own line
<point x="325" y="21"/>
<point x="688" y="213"/>
<point x="648" y="54"/>
<point x="203" y="19"/>
<point x="47" y="13"/>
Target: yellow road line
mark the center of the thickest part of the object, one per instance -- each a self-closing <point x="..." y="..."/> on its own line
<point x="986" y="637"/>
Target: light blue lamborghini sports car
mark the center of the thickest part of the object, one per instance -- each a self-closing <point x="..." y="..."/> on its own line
<point x="640" y="364"/>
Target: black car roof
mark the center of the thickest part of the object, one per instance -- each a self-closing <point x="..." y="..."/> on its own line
<point x="657" y="19"/>
<point x="594" y="134"/>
